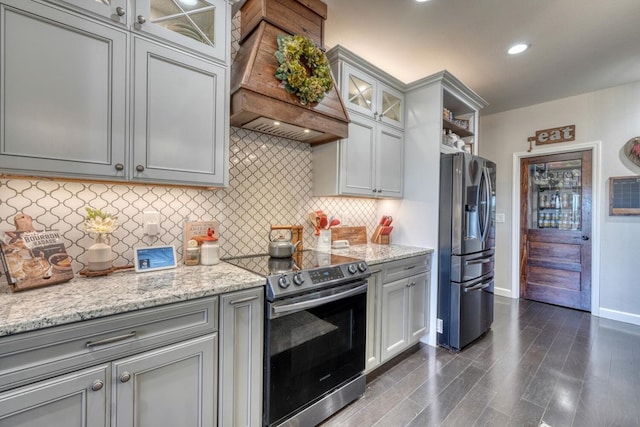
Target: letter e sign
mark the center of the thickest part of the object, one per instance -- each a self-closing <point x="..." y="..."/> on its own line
<point x="551" y="136"/>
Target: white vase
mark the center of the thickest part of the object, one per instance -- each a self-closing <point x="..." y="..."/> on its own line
<point x="100" y="254"/>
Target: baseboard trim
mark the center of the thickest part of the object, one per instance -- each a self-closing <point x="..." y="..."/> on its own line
<point x="620" y="316"/>
<point x="502" y="292"/>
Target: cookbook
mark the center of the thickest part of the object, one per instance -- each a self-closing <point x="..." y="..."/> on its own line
<point x="198" y="230"/>
<point x="33" y="259"/>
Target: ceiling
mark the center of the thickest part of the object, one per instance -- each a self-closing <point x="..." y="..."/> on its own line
<point x="577" y="46"/>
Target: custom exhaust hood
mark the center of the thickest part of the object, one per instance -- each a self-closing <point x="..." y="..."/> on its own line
<point x="258" y="99"/>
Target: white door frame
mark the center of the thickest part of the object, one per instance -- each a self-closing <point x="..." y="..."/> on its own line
<point x="596" y="201"/>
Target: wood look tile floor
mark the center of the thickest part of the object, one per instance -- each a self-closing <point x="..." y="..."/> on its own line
<point x="539" y="365"/>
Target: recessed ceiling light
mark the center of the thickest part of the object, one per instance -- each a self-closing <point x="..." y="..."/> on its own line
<point x="189" y="2"/>
<point x="421" y="1"/>
<point x="517" y="48"/>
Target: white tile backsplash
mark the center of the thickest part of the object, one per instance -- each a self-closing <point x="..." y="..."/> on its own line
<point x="270" y="182"/>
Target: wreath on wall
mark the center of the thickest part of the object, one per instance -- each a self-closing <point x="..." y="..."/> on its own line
<point x="304" y="68"/>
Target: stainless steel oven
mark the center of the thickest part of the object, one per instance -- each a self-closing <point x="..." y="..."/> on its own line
<point x="315" y="330"/>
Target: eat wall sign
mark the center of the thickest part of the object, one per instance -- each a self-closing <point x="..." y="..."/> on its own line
<point x="554" y="135"/>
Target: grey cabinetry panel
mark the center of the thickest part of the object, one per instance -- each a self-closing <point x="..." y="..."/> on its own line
<point x="171" y="386"/>
<point x="63" y="85"/>
<point x="179" y="122"/>
<point x="241" y="331"/>
<point x="76" y="399"/>
<point x="405" y="304"/>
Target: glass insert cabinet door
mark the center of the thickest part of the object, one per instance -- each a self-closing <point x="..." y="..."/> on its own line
<point x="360" y="93"/>
<point x="197" y="24"/>
<point x="555" y="195"/>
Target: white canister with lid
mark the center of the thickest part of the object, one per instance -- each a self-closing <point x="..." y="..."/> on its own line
<point x="210" y="251"/>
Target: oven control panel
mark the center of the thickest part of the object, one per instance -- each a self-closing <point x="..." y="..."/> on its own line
<point x="287" y="284"/>
<point x="327" y="274"/>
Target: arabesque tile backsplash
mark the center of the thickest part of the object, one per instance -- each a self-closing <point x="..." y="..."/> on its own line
<point x="270" y="182"/>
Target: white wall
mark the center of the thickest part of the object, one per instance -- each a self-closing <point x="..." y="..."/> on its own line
<point x="611" y="116"/>
<point x="416" y="215"/>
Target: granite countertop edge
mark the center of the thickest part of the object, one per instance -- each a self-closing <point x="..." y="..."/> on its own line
<point x="91" y="298"/>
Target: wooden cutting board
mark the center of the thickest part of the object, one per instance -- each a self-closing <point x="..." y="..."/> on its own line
<point x="355" y="235"/>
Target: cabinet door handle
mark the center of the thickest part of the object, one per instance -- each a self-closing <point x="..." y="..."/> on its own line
<point x="97" y="385"/>
<point x="410" y="267"/>
<point x="120" y="11"/>
<point x="126" y="376"/>
<point x="140" y="168"/>
<point x="243" y="300"/>
<point x="141" y="19"/>
<point x="119" y="166"/>
<point x="111" y="340"/>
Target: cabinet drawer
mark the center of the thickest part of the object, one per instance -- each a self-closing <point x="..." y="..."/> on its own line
<point x="42" y="354"/>
<point x="396" y="270"/>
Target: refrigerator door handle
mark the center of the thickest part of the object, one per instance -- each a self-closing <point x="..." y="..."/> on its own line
<point x="479" y="260"/>
<point x="479" y="286"/>
<point x="486" y="201"/>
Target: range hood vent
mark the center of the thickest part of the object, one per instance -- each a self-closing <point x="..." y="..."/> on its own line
<point x="258" y="99"/>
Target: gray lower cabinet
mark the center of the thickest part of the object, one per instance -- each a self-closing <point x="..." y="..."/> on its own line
<point x="241" y="355"/>
<point x="374" y="315"/>
<point x="76" y="399"/>
<point x="152" y="367"/>
<point x="404" y="304"/>
<point x="171" y="386"/>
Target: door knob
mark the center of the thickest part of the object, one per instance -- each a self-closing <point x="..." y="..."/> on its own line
<point x="140" y="168"/>
<point x="126" y="376"/>
<point x="97" y="385"/>
<point x="141" y="19"/>
<point x="585" y="237"/>
<point x="119" y="166"/>
<point x="120" y="11"/>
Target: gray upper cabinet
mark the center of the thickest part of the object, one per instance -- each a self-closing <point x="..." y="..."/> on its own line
<point x="370" y="162"/>
<point x="113" y="10"/>
<point x="180" y="130"/>
<point x="85" y="96"/>
<point x="198" y="25"/>
<point x="201" y="26"/>
<point x="63" y="86"/>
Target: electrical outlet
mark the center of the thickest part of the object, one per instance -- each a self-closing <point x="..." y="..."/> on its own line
<point x="439" y="326"/>
<point x="151" y="222"/>
<point x="500" y="217"/>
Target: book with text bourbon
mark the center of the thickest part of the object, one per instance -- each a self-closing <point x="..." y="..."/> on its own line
<point x="33" y="259"/>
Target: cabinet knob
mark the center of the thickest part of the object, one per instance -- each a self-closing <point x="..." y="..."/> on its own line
<point x="126" y="376"/>
<point x="119" y="166"/>
<point x="140" y="168"/>
<point x="141" y="19"/>
<point x="380" y="190"/>
<point x="120" y="11"/>
<point x="97" y="385"/>
<point x="585" y="237"/>
<point x="374" y="190"/>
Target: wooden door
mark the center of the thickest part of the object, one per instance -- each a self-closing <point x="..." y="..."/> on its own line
<point x="555" y="229"/>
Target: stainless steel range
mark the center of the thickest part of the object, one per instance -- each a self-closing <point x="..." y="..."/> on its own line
<point x="315" y="327"/>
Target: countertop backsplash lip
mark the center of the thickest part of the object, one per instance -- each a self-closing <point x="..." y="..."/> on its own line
<point x="91" y="298"/>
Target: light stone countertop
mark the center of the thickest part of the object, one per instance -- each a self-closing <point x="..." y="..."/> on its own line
<point x="378" y="254"/>
<point x="89" y="298"/>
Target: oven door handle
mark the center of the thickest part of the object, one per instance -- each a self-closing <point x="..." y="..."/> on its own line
<point x="303" y="305"/>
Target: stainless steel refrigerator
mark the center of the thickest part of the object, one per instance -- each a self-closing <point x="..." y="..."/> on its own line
<point x="466" y="249"/>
